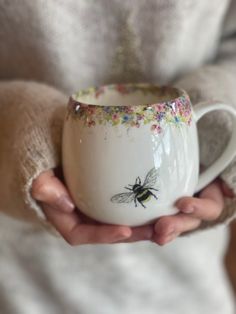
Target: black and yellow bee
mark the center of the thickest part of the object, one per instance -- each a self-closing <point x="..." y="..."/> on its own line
<point x="139" y="192"/>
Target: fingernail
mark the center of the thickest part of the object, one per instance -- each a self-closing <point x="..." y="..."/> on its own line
<point x="122" y="235"/>
<point x="65" y="204"/>
<point x="126" y="233"/>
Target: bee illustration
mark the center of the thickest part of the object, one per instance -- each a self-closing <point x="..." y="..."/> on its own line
<point x="138" y="191"/>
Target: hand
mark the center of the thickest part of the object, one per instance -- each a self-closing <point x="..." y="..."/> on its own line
<point x="74" y="226"/>
<point x="208" y="207"/>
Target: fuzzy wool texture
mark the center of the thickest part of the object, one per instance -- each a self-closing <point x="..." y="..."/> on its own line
<point x="49" y="49"/>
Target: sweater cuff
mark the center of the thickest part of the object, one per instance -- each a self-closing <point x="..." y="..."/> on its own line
<point x="40" y="148"/>
<point x="32" y="122"/>
<point x="31" y="169"/>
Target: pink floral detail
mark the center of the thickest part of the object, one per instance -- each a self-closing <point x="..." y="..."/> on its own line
<point x="115" y="116"/>
<point x="99" y="92"/>
<point x="159" y="107"/>
<point x="156" y="129"/>
<point x="173" y="112"/>
<point x="121" y="88"/>
<point x="91" y="123"/>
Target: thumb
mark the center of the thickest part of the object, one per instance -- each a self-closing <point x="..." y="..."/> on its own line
<point x="47" y="188"/>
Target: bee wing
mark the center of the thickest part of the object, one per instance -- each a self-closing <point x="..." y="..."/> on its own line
<point x="151" y="178"/>
<point x="123" y="197"/>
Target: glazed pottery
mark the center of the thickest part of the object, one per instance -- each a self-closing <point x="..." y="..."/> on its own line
<point x="131" y="150"/>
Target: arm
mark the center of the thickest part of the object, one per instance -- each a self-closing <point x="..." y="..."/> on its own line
<point x="30" y="121"/>
<point x="214" y="81"/>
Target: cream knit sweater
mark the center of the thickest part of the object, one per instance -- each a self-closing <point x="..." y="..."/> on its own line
<point x="73" y="44"/>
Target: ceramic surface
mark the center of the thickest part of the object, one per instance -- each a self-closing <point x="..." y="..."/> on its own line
<point x="130" y="151"/>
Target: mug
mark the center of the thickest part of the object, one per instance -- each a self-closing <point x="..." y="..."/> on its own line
<point x="131" y="150"/>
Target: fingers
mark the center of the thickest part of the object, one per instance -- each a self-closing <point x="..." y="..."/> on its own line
<point x="142" y="233"/>
<point x="207" y="207"/>
<point x="75" y="227"/>
<point x="48" y="189"/>
<point x="75" y="232"/>
<point x="169" y="227"/>
<point x="98" y="234"/>
<point x="204" y="209"/>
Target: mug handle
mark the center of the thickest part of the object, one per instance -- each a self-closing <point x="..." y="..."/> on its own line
<point x="227" y="156"/>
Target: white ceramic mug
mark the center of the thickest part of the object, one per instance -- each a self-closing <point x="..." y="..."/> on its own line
<point x="130" y="151"/>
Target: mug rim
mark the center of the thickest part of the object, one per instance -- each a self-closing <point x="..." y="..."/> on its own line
<point x="125" y="88"/>
<point x="176" y="110"/>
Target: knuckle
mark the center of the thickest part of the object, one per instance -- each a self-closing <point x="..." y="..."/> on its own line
<point x="163" y="225"/>
<point x="42" y="185"/>
<point x="166" y="223"/>
<point x="38" y="189"/>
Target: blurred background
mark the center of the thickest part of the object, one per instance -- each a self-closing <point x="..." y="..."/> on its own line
<point x="230" y="259"/>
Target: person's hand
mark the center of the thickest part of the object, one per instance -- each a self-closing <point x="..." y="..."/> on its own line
<point x="75" y="227"/>
<point x="193" y="210"/>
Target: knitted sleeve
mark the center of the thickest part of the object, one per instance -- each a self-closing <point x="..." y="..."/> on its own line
<point x="217" y="81"/>
<point x="31" y="119"/>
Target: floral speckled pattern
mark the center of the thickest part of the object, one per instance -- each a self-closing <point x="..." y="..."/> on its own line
<point x="176" y="111"/>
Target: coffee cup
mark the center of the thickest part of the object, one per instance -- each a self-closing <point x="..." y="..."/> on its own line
<point x="131" y="150"/>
